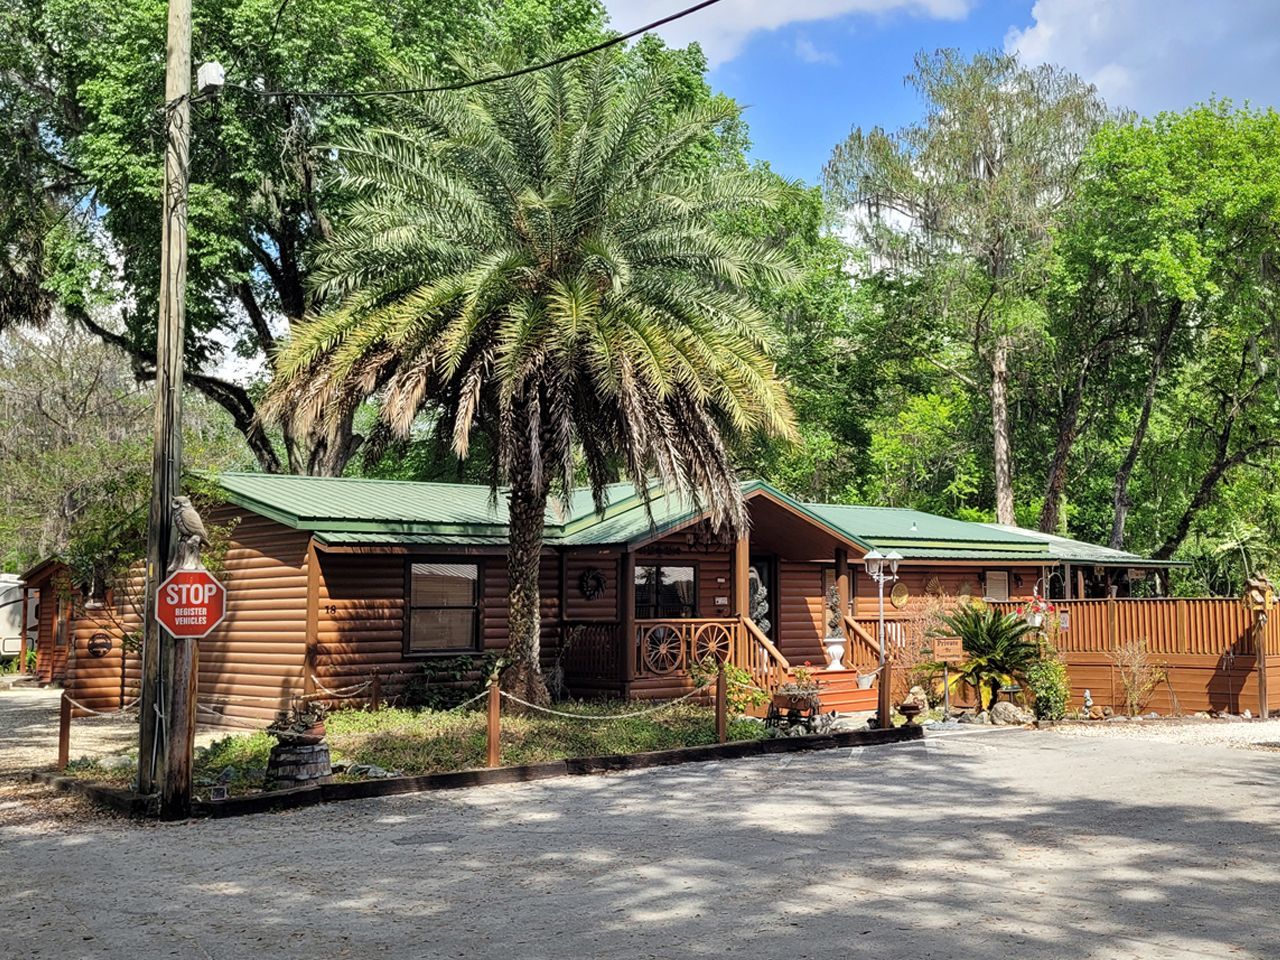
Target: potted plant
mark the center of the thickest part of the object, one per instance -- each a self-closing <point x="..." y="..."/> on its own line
<point x="835" y="639"/>
<point x="303" y="724"/>
<point x="799" y="693"/>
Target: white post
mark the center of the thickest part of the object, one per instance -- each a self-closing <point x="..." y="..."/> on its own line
<point x="880" y="578"/>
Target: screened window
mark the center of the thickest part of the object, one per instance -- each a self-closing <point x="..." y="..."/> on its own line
<point x="666" y="591"/>
<point x="444" y="602"/>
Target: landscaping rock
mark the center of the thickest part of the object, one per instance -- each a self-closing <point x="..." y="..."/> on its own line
<point x="1005" y="714"/>
<point x="372" y="771"/>
<point x="1248" y="715"/>
<point x="228" y="774"/>
<point x="117" y="763"/>
<point x="1097" y="713"/>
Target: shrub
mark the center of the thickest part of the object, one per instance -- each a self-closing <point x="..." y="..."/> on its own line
<point x="998" y="646"/>
<point x="740" y="693"/>
<point x="1139" y="673"/>
<point x="1049" y="683"/>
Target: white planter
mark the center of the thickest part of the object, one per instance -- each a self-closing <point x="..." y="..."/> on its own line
<point x="835" y="653"/>
<point x="1035" y="619"/>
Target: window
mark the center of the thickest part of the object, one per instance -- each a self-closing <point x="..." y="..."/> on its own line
<point x="997" y="585"/>
<point x="666" y="591"/>
<point x="444" y="602"/>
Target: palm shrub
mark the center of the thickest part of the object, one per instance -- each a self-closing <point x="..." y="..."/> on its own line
<point x="537" y="261"/>
<point x="999" y="648"/>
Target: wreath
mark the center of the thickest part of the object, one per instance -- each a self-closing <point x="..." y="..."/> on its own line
<point x="592" y="583"/>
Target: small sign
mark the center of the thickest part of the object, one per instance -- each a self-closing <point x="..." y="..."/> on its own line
<point x="99" y="645"/>
<point x="948" y="649"/>
<point x="190" y="603"/>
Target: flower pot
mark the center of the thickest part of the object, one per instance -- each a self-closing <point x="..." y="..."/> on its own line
<point x="797" y="701"/>
<point x="1035" y="619"/>
<point x="835" y="652"/>
<point x="910" y="711"/>
<point x="308" y="735"/>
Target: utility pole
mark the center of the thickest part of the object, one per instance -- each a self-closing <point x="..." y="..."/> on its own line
<point x="168" y="714"/>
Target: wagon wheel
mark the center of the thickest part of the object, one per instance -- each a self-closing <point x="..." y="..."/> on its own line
<point x="663" y="650"/>
<point x="712" y="640"/>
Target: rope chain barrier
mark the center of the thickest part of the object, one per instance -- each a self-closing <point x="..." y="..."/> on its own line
<point x="602" y="718"/>
<point x="118" y="711"/>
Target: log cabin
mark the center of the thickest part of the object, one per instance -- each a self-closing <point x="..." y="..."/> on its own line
<point x="351" y="586"/>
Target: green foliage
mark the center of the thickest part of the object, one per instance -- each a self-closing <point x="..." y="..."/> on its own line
<point x="444" y="683"/>
<point x="420" y="742"/>
<point x="244" y="752"/>
<point x="740" y="693"/>
<point x="998" y="647"/>
<point x="1050" y="685"/>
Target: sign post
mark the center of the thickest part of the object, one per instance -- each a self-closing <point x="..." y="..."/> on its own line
<point x="949" y="650"/>
<point x="189" y="605"/>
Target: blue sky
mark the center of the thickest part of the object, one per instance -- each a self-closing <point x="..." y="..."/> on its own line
<point x="810" y="70"/>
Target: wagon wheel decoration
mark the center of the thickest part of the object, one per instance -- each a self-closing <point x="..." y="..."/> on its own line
<point x="662" y="649"/>
<point x="712" y="640"/>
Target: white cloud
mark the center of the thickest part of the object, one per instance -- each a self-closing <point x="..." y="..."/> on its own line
<point x="807" y="51"/>
<point x="724" y="28"/>
<point x="1152" y="55"/>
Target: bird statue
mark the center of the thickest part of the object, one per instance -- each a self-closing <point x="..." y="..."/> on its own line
<point x="191" y="534"/>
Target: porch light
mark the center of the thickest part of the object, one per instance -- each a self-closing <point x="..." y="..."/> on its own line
<point x="874" y="562"/>
<point x="894" y="559"/>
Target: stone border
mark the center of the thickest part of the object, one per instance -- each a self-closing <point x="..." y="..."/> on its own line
<point x="126" y="801"/>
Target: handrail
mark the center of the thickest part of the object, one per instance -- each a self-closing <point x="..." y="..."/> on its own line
<point x="764" y="641"/>
<point x="866" y="638"/>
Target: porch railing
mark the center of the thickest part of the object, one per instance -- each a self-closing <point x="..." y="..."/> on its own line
<point x="591" y="653"/>
<point x="671" y="648"/>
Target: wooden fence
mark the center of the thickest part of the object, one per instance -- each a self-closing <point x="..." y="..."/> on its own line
<point x="1207" y="646"/>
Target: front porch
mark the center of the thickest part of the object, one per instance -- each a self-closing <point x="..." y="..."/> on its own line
<point x="760" y="602"/>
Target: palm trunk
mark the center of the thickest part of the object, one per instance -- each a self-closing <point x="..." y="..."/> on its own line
<point x="1002" y="460"/>
<point x="526" y="516"/>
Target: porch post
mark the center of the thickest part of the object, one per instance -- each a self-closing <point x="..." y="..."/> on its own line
<point x="742" y="575"/>
<point x="627" y="617"/>
<point x="842" y="600"/>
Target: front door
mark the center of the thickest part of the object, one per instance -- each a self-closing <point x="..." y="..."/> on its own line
<point x="762" y="594"/>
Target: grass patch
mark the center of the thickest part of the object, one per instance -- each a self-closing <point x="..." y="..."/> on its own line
<point x="425" y="741"/>
<point x="421" y="741"/>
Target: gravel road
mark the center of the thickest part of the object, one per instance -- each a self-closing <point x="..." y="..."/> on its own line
<point x="1021" y="844"/>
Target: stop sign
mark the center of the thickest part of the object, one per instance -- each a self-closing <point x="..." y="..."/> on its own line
<point x="190" y="603"/>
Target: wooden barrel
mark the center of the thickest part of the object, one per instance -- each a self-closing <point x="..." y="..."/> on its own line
<point x="298" y="764"/>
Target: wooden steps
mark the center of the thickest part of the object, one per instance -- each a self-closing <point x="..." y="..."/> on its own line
<point x="840" y="692"/>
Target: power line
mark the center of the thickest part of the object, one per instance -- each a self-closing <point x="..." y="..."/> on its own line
<point x="479" y="81"/>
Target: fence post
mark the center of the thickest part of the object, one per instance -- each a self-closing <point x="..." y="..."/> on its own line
<point x="64" y="731"/>
<point x="376" y="694"/>
<point x="884" y="715"/>
<point x="1112" y="631"/>
<point x="1180" y="614"/>
<point x="495" y="728"/>
<point x="722" y="705"/>
<point x="1260" y="658"/>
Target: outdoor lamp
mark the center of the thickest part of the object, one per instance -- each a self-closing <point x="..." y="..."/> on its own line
<point x="874" y="561"/>
<point x="894" y="559"/>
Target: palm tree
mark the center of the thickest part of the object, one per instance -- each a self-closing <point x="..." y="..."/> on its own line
<point x="997" y="648"/>
<point x="538" y="260"/>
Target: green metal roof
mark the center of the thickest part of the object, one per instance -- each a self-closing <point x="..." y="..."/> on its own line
<point x="916" y="535"/>
<point x="1066" y="550"/>
<point x="358" y="511"/>
<point x="402" y="512"/>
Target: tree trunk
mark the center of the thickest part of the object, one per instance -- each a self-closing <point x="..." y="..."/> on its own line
<point x="1002" y="462"/>
<point x="1120" y="502"/>
<point x="527" y="505"/>
<point x="1068" y="427"/>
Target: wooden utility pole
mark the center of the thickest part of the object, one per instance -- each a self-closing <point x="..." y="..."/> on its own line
<point x="160" y="654"/>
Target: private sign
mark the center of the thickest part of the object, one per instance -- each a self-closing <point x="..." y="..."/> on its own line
<point x="190" y="603"/>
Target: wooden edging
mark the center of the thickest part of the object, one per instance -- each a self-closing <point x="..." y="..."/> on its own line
<point x="116" y="798"/>
<point x="129" y="802"/>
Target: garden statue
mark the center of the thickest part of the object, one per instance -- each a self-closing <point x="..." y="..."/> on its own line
<point x="192" y="535"/>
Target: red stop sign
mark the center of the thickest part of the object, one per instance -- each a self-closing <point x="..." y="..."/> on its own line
<point x="190" y="603"/>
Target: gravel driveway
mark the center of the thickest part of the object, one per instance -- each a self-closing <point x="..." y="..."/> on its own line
<point x="1016" y="844"/>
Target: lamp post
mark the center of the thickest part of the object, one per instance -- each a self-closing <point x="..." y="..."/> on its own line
<point x="876" y="564"/>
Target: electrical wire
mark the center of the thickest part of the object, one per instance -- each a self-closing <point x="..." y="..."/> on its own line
<point x="478" y="81"/>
